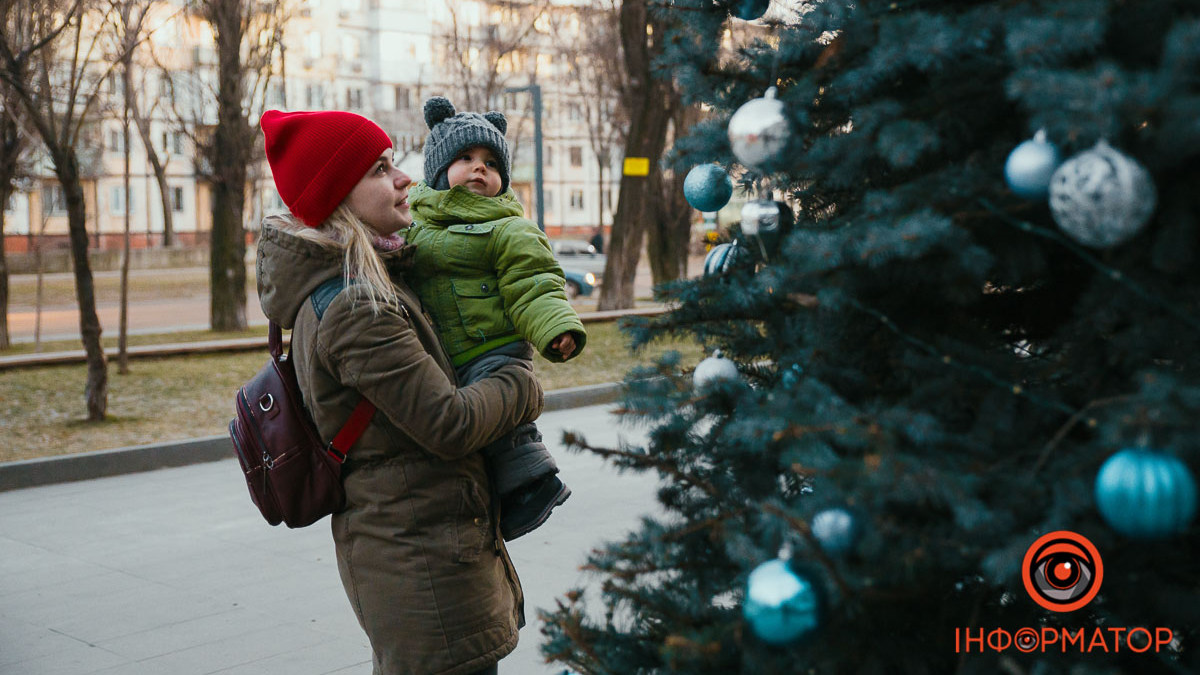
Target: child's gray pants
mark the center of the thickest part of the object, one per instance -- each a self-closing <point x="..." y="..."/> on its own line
<point x="520" y="456"/>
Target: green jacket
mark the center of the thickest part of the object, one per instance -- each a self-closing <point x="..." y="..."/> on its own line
<point x="487" y="274"/>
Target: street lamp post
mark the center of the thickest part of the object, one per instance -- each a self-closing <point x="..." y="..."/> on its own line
<point x="535" y="90"/>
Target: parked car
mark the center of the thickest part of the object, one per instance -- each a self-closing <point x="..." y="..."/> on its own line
<point x="580" y="255"/>
<point x="579" y="282"/>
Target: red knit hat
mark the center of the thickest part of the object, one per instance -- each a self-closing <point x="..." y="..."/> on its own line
<point x="318" y="157"/>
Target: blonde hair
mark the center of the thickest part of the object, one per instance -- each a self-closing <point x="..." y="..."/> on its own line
<point x="345" y="231"/>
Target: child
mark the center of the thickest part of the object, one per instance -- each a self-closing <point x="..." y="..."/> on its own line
<point x="488" y="277"/>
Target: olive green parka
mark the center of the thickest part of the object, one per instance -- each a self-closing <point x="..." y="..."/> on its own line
<point x="417" y="546"/>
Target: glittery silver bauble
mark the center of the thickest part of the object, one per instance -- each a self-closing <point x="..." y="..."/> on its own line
<point x="758" y="131"/>
<point x="707" y="188"/>
<point x="1102" y="197"/>
<point x="748" y="10"/>
<point x="837" y="529"/>
<point x="764" y="224"/>
<point x="1030" y="166"/>
<point x="780" y="605"/>
<point x="713" y="369"/>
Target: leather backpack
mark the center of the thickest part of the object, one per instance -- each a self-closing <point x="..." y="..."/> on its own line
<point x="294" y="477"/>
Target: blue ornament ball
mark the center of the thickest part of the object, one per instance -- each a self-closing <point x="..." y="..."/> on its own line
<point x="1030" y="166"/>
<point x="749" y="10"/>
<point x="781" y="605"/>
<point x="707" y="188"/>
<point x="1146" y="494"/>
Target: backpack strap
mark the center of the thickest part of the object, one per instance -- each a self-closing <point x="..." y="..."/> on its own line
<point x="365" y="410"/>
<point x="325" y="293"/>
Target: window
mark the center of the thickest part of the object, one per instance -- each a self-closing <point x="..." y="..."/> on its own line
<point x="54" y="200"/>
<point x="177" y="199"/>
<point x="351" y="47"/>
<point x="608" y="199"/>
<point x="577" y="200"/>
<point x="312" y="45"/>
<point x="403" y="98"/>
<point x="116" y="204"/>
<point x="548" y="198"/>
<point x="576" y="156"/>
<point x="314" y="96"/>
<point x="354" y="98"/>
<point x="574" y="112"/>
<point x="549" y="157"/>
<point x="116" y="140"/>
<point x="11" y="204"/>
<point x="172" y="142"/>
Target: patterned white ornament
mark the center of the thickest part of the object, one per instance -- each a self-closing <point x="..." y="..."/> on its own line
<point x="1102" y="197"/>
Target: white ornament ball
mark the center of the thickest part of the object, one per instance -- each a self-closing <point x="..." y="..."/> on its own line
<point x="1102" y="197"/>
<point x="1030" y="166"/>
<point x="758" y="131"/>
<point x="837" y="529"/>
<point x="713" y="369"/>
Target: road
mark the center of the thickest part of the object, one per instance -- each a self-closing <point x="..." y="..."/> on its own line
<point x="189" y="313"/>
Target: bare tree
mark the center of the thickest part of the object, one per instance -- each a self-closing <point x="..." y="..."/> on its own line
<point x="50" y="66"/>
<point x="485" y="59"/>
<point x="646" y="96"/>
<point x="14" y="152"/>
<point x="129" y="17"/>
<point x="597" y="78"/>
<point x="247" y="42"/>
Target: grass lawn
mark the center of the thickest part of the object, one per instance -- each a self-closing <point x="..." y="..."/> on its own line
<point x="42" y="410"/>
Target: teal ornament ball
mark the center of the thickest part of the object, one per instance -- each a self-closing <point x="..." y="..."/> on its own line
<point x="759" y="132"/>
<point x="748" y="10"/>
<point x="725" y="258"/>
<point x="707" y="188"/>
<point x="1030" y="166"/>
<point x="1146" y="494"/>
<point x="781" y="605"/>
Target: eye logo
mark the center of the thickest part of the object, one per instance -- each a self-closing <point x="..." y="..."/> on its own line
<point x="1062" y="571"/>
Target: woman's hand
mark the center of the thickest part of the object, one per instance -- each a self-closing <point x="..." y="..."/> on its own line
<point x="564" y="344"/>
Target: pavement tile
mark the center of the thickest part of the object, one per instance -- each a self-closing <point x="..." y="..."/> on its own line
<point x="173" y="572"/>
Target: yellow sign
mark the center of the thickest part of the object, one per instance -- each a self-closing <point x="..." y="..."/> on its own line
<point x="637" y="166"/>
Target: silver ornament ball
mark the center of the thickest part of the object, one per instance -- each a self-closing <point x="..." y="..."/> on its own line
<point x="1030" y="166"/>
<point x="1102" y="197"/>
<point x="780" y="605"/>
<point x="759" y="132"/>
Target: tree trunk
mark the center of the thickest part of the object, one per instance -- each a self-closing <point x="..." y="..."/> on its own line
<point x="66" y="167"/>
<point x="669" y="233"/>
<point x="123" y="328"/>
<point x="230" y="153"/>
<point x="5" y="340"/>
<point x="645" y="99"/>
<point x="160" y="175"/>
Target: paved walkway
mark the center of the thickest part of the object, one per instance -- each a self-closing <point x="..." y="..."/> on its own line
<point x="173" y="572"/>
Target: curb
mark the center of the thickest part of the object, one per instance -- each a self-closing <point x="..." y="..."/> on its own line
<point x="119" y="461"/>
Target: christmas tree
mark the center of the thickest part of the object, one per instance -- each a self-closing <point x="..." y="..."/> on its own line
<point x="980" y="330"/>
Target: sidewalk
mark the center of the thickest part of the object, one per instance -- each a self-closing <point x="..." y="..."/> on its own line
<point x="173" y="572"/>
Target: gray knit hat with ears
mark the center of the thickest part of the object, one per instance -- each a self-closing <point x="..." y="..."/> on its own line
<point x="450" y="134"/>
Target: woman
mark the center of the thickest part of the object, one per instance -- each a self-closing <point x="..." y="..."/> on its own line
<point x="418" y="546"/>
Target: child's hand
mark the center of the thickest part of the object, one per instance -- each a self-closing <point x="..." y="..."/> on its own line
<point x="564" y="344"/>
